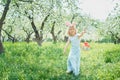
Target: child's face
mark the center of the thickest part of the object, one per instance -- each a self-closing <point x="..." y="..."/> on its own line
<point x="72" y="31"/>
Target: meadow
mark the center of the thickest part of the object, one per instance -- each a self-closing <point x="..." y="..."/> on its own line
<point x="22" y="61"/>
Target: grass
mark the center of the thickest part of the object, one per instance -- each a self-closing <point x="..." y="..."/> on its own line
<point x="22" y="61"/>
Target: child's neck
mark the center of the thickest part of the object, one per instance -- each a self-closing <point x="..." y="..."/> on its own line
<point x="72" y="35"/>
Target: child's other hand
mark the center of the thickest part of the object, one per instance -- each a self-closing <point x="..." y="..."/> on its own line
<point x="84" y="31"/>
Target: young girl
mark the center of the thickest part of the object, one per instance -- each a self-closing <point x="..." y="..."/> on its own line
<point x="73" y="62"/>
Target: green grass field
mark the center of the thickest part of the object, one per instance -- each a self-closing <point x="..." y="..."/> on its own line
<point x="22" y="61"/>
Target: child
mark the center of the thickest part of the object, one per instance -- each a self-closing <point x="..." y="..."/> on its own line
<point x="73" y="62"/>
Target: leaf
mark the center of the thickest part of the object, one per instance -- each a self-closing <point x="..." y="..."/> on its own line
<point x="4" y="1"/>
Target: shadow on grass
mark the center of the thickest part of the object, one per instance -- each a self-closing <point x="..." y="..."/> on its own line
<point x="65" y="76"/>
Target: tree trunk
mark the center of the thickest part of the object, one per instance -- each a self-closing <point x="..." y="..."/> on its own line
<point x="53" y="34"/>
<point x="28" y="37"/>
<point x="10" y="37"/>
<point x="39" y="37"/>
<point x="28" y="34"/>
<point x="1" y="23"/>
<point x="73" y="17"/>
<point x="117" y="37"/>
<point x="3" y="38"/>
<point x="118" y="40"/>
<point x="65" y="38"/>
<point x="1" y="48"/>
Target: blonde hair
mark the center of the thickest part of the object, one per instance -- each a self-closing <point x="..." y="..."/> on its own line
<point x="71" y="28"/>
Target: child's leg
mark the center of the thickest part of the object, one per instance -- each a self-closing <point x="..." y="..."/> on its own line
<point x="69" y="66"/>
<point x="76" y="66"/>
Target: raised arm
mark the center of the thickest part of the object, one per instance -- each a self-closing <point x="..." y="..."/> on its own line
<point x="80" y="35"/>
<point x="66" y="46"/>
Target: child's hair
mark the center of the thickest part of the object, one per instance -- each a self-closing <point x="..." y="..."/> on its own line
<point x="71" y="28"/>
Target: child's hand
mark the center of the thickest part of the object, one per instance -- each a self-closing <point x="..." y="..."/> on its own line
<point x="85" y="29"/>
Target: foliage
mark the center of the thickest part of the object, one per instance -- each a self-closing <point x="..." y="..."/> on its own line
<point x="112" y="55"/>
<point x="113" y="25"/>
<point x="60" y="12"/>
<point x="29" y="61"/>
